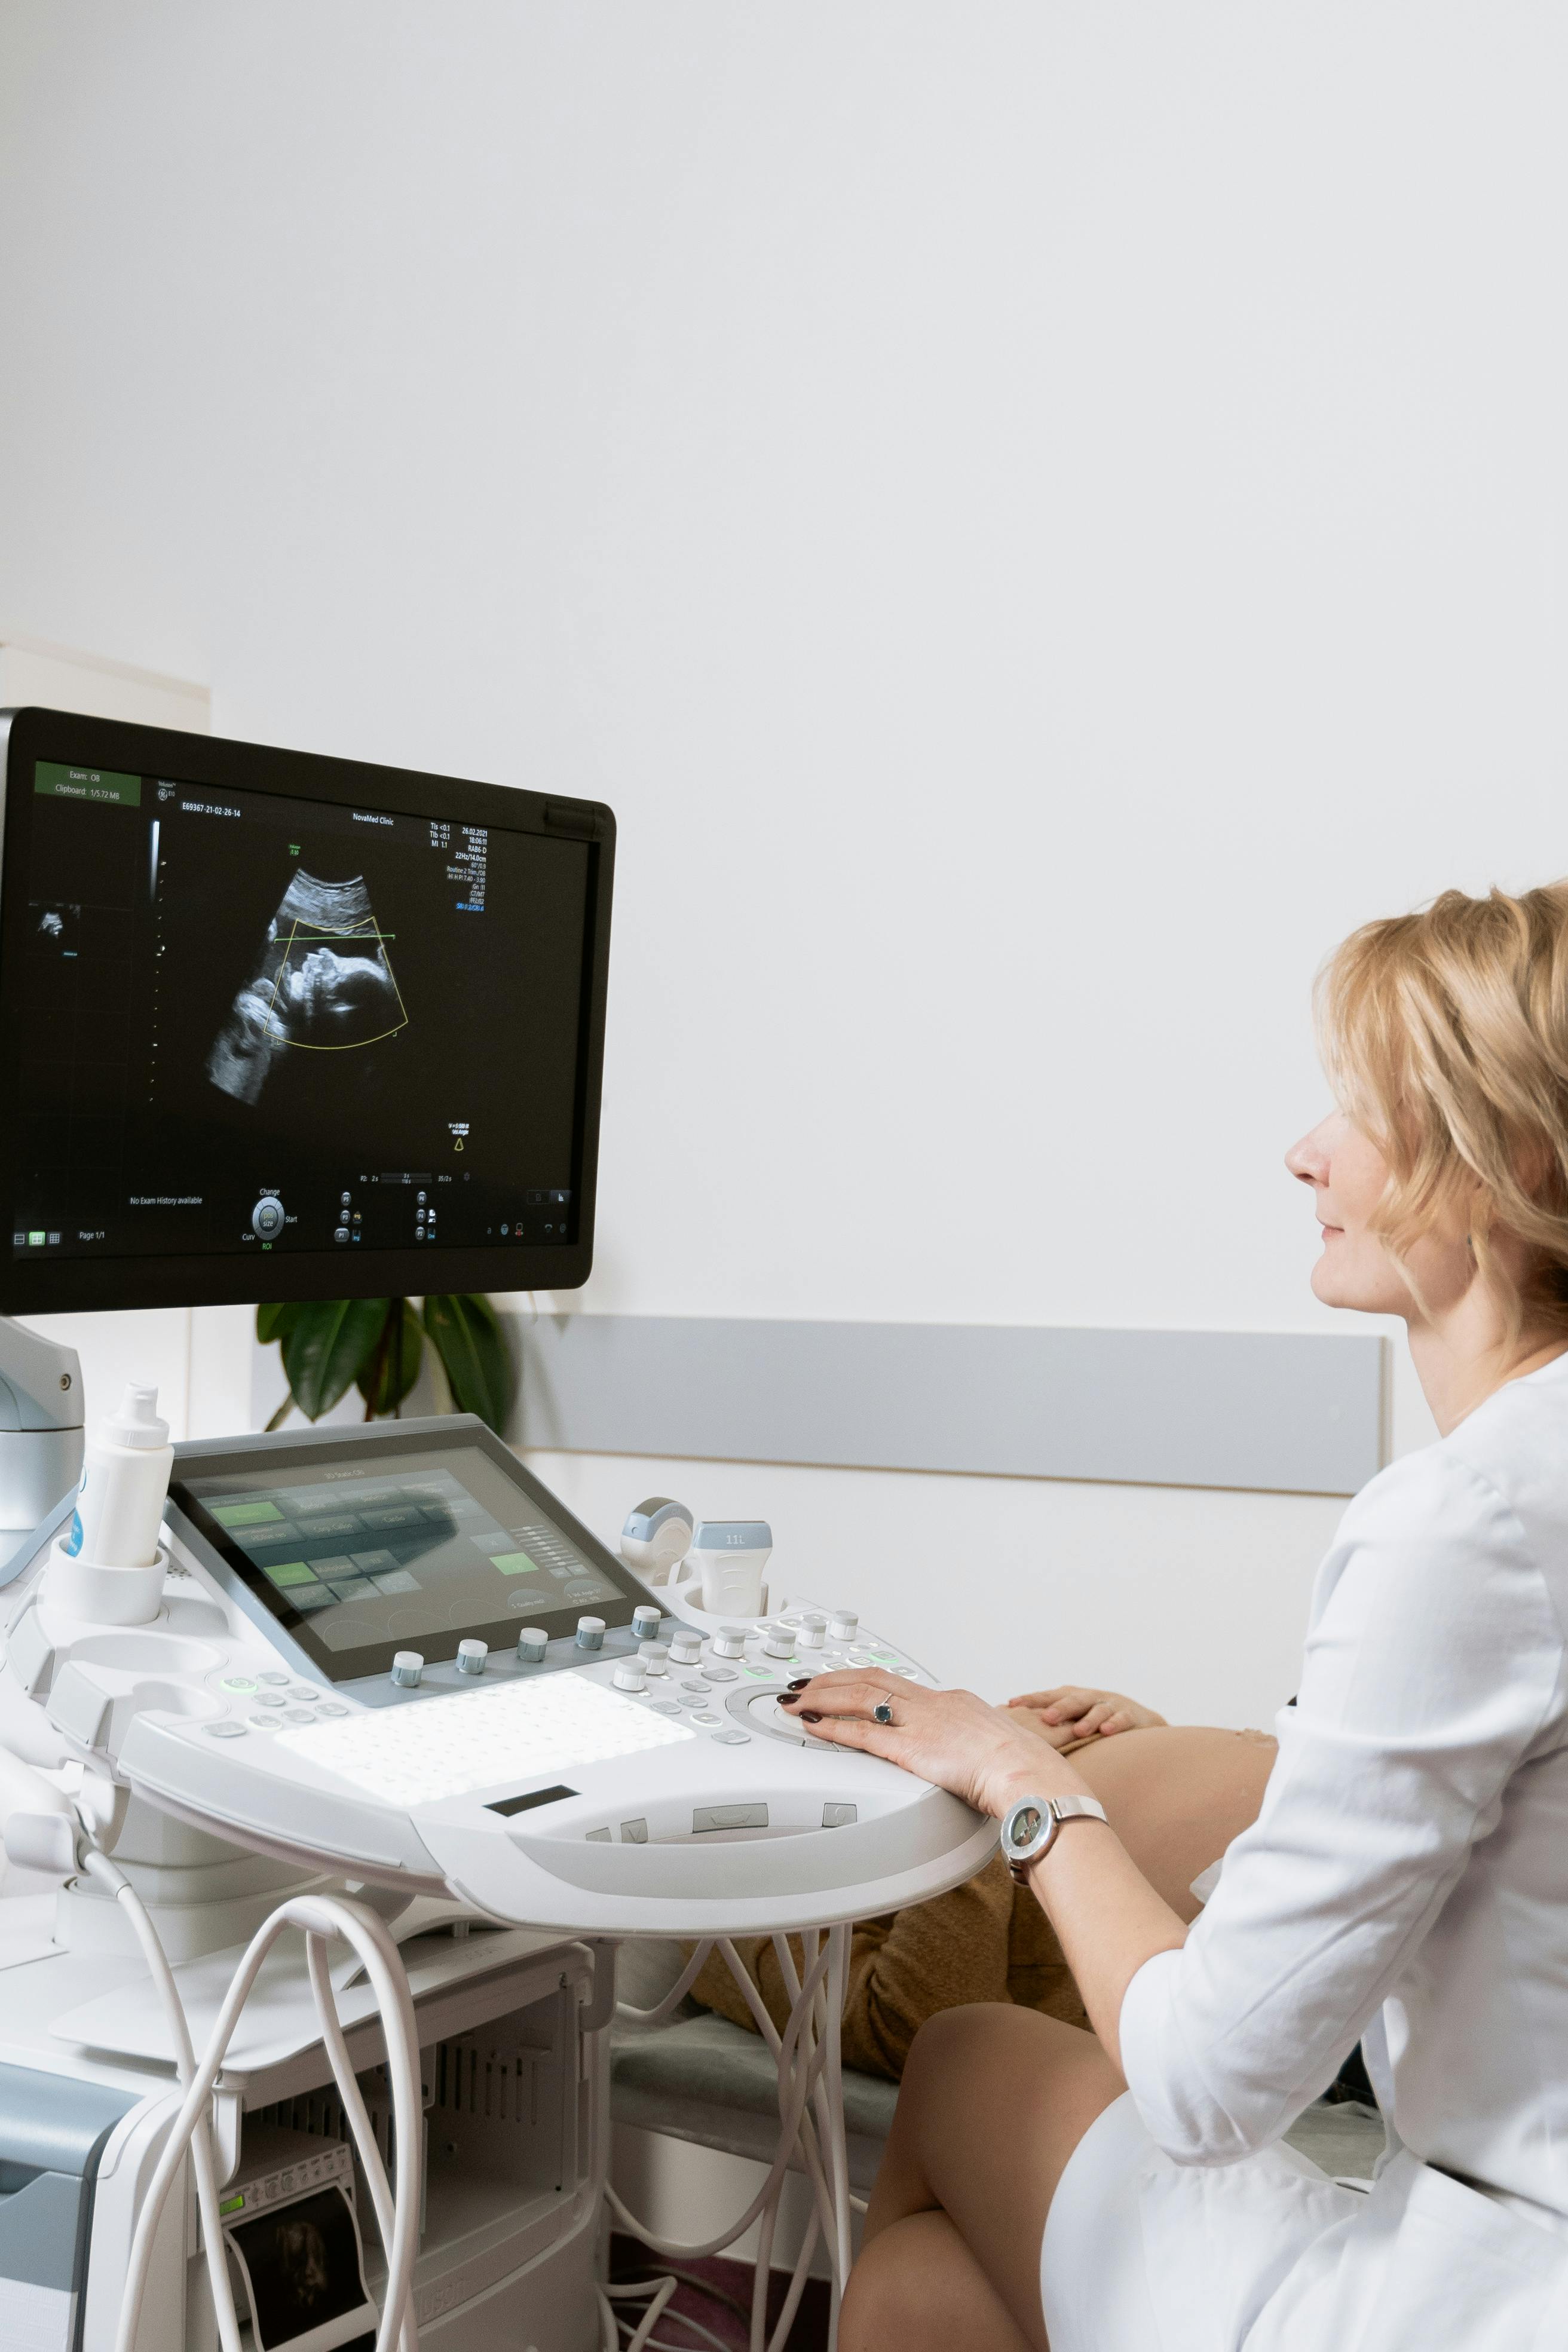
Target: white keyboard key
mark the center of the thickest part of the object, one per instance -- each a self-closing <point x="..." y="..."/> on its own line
<point x="447" y="1746"/>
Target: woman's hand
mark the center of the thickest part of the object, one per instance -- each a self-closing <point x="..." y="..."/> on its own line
<point x="1071" y="1713"/>
<point x="949" y="1736"/>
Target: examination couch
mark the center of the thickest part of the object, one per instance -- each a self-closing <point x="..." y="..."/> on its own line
<point x="703" y="2079"/>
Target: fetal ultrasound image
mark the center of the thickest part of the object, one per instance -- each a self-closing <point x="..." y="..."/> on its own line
<point x="302" y="2266"/>
<point x="323" y="983"/>
<point x="56" y="928"/>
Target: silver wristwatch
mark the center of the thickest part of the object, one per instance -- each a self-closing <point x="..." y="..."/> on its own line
<point x="1029" y="1828"/>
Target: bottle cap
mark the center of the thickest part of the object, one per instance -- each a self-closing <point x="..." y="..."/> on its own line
<point x="137" y="1422"/>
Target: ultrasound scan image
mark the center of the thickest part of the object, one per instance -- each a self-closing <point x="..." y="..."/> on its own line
<point x="323" y="983"/>
<point x="302" y="2266"/>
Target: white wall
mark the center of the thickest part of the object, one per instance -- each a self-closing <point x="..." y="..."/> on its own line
<point x="1037" y="518"/>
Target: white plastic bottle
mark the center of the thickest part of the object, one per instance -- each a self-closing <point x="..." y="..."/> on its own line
<point x="124" y="1480"/>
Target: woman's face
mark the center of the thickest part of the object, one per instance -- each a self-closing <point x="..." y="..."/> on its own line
<point x="1347" y="1174"/>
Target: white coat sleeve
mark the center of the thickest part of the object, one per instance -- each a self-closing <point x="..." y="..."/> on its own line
<point x="1432" y="1662"/>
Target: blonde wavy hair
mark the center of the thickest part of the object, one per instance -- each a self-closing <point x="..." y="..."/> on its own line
<point x="1445" y="1037"/>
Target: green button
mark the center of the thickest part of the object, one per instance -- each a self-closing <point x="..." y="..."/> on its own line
<point x="291" y="1571"/>
<point x="760" y="1675"/>
<point x="244" y="1514"/>
<point x="514" y="1563"/>
<point x="231" y="2205"/>
<point x="237" y="1682"/>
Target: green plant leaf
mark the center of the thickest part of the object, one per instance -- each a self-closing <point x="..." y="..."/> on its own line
<point x="384" y="1380"/>
<point x="273" y="1321"/>
<point x="326" y="1345"/>
<point x="465" y="1333"/>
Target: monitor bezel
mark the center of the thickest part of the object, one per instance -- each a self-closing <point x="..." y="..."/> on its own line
<point x="45" y="1285"/>
<point x="301" y="1449"/>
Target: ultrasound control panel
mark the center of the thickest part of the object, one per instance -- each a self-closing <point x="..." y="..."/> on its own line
<point x="590" y="1764"/>
<point x="405" y="1545"/>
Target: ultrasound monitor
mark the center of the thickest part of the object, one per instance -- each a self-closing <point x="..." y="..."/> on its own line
<point x="275" y="1026"/>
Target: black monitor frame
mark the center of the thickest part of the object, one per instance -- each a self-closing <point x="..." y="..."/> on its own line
<point x="41" y="1285"/>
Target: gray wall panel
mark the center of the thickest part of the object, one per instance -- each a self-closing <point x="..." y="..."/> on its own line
<point x="1294" y="1412"/>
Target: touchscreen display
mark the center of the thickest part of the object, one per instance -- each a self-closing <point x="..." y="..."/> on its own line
<point x="414" y="1554"/>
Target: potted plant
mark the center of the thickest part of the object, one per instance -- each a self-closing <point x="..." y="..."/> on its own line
<point x="378" y="1345"/>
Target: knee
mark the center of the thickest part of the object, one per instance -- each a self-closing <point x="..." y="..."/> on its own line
<point x="979" y="2033"/>
<point x="959" y="2050"/>
<point x="948" y="2041"/>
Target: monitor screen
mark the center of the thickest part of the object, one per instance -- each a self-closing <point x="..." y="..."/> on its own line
<point x="280" y="1021"/>
<point x="360" y="1557"/>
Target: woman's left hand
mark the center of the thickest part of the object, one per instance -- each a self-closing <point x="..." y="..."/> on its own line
<point x="949" y="1736"/>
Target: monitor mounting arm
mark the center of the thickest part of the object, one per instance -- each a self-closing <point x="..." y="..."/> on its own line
<point x="41" y="1429"/>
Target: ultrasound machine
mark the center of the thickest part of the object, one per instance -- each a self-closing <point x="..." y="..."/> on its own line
<point x="351" y="1791"/>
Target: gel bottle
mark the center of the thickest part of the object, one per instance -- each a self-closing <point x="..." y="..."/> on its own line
<point x="125" y="1477"/>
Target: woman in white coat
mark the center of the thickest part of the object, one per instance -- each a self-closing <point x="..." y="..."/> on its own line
<point x="1406" y="1882"/>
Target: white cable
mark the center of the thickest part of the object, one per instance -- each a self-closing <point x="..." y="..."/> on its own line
<point x="798" y="2277"/>
<point x="659" y="2289"/>
<point x="834" y="2136"/>
<point x="674" y="2250"/>
<point x="808" y="2058"/>
<point x="609" y="2333"/>
<point x="354" y="2108"/>
<point x="677" y="2318"/>
<point x="674" y="1997"/>
<point x="768" y="2030"/>
<point x="318" y="1915"/>
<point x="823" y="2193"/>
<point x="680" y="2319"/>
<point x="823" y="2200"/>
<point x="98" y="1866"/>
<point x="651" y="2318"/>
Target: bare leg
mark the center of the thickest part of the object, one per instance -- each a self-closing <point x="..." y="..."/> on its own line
<point x="920" y="2287"/>
<point x="1176" y="1797"/>
<point x="995" y="2100"/>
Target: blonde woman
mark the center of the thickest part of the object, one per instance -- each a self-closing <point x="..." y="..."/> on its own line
<point x="1407" y="1881"/>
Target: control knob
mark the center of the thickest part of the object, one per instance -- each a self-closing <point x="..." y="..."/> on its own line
<point x="844" y="1626"/>
<point x="407" y="1665"/>
<point x="778" y="1642"/>
<point x="645" y="1623"/>
<point x="471" y="1657"/>
<point x="628" y="1675"/>
<point x="813" y="1632"/>
<point x="686" y="1648"/>
<point x="531" y="1642"/>
<point x="729" y="1641"/>
<point x="654" y="1656"/>
<point x="590" y="1632"/>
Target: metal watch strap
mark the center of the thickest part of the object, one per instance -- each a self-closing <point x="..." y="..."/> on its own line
<point x="1023" y="1842"/>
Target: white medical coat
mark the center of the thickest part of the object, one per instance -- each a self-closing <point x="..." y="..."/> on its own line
<point x="1406" y="1882"/>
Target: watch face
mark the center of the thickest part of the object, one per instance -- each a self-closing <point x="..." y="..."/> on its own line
<point x="1025" y="1825"/>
